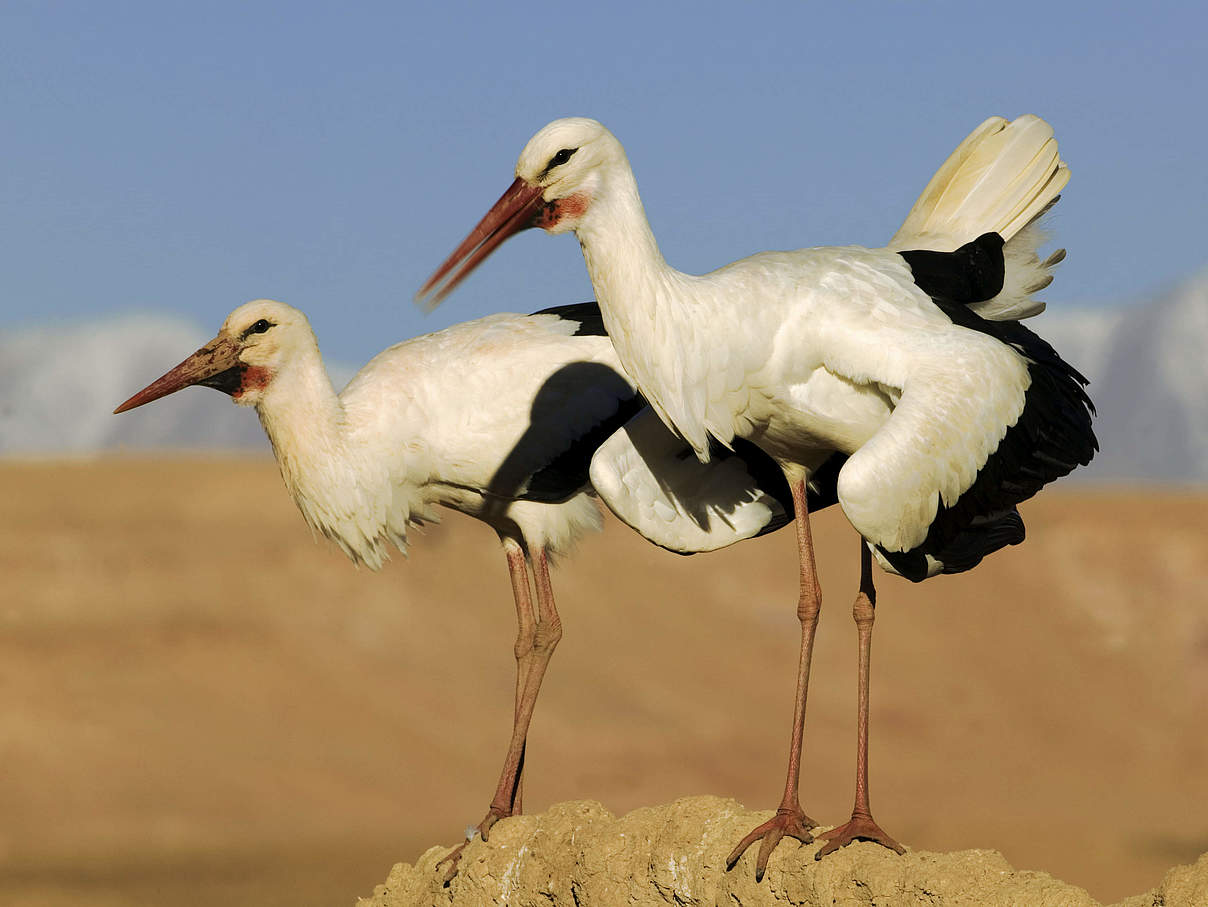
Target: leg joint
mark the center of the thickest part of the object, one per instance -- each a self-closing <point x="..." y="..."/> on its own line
<point x="809" y="602"/>
<point x="863" y="611"/>
<point x="526" y="639"/>
<point x="548" y="635"/>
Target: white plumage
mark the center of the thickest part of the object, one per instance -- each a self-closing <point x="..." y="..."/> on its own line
<point x="412" y="430"/>
<point x="1000" y="178"/>
<point x="496" y="418"/>
<point x="462" y="418"/>
<point x="650" y="480"/>
<point x="908" y="363"/>
<point x="826" y="342"/>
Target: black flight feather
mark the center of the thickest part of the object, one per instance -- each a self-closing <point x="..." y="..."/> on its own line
<point x="1051" y="437"/>
<point x="587" y="314"/>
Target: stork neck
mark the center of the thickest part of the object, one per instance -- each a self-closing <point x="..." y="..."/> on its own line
<point x="627" y="269"/>
<point x="340" y="465"/>
<point x="304" y="421"/>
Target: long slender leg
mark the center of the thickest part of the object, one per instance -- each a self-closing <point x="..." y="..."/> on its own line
<point x="506" y="801"/>
<point x="526" y="631"/>
<point x="547" y="637"/>
<point x="861" y="827"/>
<point x="538" y="644"/>
<point x="535" y="644"/>
<point x="790" y="819"/>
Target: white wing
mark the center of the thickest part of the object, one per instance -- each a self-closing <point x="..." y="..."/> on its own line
<point x="653" y="482"/>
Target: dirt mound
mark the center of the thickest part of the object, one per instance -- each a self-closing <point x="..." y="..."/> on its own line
<point x="579" y="853"/>
<point x="1184" y="886"/>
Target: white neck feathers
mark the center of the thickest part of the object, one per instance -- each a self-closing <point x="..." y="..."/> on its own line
<point x="343" y="489"/>
<point x="648" y="307"/>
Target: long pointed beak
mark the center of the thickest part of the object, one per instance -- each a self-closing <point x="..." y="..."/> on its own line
<point x="517" y="209"/>
<point x="215" y="365"/>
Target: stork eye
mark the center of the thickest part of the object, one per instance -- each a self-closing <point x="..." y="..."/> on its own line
<point x="258" y="328"/>
<point x="561" y="157"/>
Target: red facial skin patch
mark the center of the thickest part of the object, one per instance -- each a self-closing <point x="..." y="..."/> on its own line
<point x="255" y="377"/>
<point x="573" y="206"/>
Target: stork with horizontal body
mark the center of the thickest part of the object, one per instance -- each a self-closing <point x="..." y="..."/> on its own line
<point x="496" y="418"/>
<point x="902" y="371"/>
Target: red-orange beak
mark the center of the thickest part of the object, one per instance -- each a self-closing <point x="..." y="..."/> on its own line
<point x="215" y="365"/>
<point x="519" y="208"/>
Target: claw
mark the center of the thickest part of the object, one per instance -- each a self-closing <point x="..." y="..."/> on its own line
<point x="453" y="858"/>
<point x="482" y="830"/>
<point x="860" y="828"/>
<point x="793" y="823"/>
<point x="769" y="842"/>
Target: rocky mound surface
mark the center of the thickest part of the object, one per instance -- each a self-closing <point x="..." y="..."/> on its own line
<point x="579" y="854"/>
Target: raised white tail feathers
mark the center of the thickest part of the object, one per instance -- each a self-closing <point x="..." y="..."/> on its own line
<point x="1000" y="179"/>
<point x="1025" y="275"/>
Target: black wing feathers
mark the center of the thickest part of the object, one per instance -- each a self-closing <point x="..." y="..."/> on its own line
<point x="587" y="314"/>
<point x="1051" y="437"/>
<point x="963" y="551"/>
<point x="973" y="273"/>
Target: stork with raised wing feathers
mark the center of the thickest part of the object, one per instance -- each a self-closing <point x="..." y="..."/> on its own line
<point x="497" y="418"/>
<point x="901" y="372"/>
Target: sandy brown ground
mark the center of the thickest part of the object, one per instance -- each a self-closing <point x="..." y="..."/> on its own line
<point x="201" y="705"/>
<point x="577" y="853"/>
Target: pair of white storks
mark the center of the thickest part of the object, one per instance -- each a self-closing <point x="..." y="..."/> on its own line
<point x="703" y="410"/>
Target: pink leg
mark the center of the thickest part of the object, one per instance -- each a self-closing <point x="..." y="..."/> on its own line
<point x="861" y="827"/>
<point x="790" y="819"/>
<point x="536" y="640"/>
<point x="526" y="631"/>
<point x="535" y="644"/>
<point x="545" y="639"/>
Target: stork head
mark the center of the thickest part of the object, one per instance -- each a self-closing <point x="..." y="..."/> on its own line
<point x="256" y="342"/>
<point x="559" y="175"/>
<point x="562" y="163"/>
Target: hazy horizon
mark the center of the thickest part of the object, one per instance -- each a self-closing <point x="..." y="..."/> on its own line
<point x="182" y="160"/>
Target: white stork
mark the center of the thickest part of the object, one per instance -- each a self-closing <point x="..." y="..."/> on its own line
<point x="901" y="372"/>
<point x="497" y="418"/>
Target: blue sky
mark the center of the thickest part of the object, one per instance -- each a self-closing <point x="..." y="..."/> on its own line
<point x="183" y="158"/>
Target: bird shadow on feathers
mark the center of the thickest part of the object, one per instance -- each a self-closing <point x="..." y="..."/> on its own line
<point x="574" y="411"/>
<point x="585" y="403"/>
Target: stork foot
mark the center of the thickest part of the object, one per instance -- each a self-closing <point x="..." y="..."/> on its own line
<point x="860" y="828"/>
<point x="453" y="858"/>
<point x="482" y="829"/>
<point x="791" y="822"/>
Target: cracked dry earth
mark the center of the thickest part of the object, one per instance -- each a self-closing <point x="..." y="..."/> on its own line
<point x="579" y="854"/>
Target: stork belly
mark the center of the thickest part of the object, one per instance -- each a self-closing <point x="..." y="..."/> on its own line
<point x="823" y="414"/>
